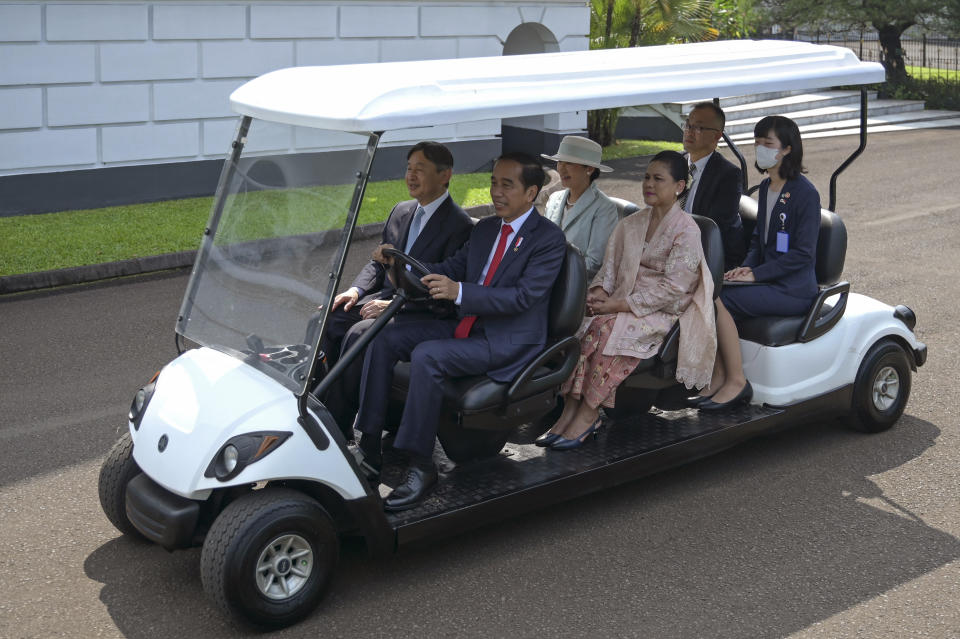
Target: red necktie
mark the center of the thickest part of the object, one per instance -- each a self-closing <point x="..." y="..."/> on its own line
<point x="463" y="328"/>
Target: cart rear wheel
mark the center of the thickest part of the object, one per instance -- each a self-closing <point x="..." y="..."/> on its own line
<point x="269" y="556"/>
<point x="115" y="473"/>
<point x="882" y="388"/>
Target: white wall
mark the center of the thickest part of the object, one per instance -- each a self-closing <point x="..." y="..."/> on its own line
<point x="99" y="84"/>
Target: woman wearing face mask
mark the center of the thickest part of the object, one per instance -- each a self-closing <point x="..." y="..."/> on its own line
<point x="580" y="209"/>
<point x="779" y="263"/>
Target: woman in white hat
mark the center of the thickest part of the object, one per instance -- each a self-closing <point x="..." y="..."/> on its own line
<point x="585" y="214"/>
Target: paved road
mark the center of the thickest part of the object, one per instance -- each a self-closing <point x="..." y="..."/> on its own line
<point x="814" y="532"/>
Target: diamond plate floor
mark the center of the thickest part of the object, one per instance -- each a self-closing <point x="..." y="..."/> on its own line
<point x="522" y="465"/>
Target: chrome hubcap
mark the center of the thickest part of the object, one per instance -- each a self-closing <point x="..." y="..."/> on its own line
<point x="284" y="566"/>
<point x="886" y="388"/>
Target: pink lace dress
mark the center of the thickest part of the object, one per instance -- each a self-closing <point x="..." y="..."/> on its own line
<point x="664" y="281"/>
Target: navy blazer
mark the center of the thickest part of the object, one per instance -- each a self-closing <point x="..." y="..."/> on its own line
<point x="793" y="272"/>
<point x="513" y="309"/>
<point x="718" y="198"/>
<point x="445" y="232"/>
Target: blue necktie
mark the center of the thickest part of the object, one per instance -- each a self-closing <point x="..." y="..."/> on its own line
<point x="414" y="229"/>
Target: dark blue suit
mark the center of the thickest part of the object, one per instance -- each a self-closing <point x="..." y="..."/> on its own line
<point x="510" y="332"/>
<point x="789" y="280"/>
<point x="445" y="232"/>
<point x="718" y="197"/>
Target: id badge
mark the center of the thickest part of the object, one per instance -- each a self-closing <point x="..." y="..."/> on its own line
<point x="783" y="241"/>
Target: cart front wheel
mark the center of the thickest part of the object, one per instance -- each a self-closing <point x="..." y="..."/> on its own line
<point x="116" y="472"/>
<point x="882" y="388"/>
<point x="269" y="556"/>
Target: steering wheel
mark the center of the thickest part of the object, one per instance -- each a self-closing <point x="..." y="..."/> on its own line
<point x="408" y="279"/>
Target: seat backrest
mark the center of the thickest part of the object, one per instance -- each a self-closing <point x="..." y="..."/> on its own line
<point x="831" y="248"/>
<point x="624" y="207"/>
<point x="831" y="241"/>
<point x="568" y="298"/>
<point x="712" y="249"/>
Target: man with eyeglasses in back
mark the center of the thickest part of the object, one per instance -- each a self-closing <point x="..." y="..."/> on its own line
<point x="715" y="183"/>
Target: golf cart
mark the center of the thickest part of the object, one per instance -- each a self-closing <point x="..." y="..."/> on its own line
<point x="229" y="447"/>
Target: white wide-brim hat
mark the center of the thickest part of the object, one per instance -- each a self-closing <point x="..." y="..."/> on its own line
<point x="579" y="150"/>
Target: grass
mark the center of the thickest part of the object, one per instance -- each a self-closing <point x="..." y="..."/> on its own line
<point x="633" y="148"/>
<point x="931" y="73"/>
<point x="32" y="243"/>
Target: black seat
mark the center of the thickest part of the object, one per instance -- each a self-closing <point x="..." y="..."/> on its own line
<point x="831" y="252"/>
<point x="660" y="371"/>
<point x="478" y="411"/>
<point x="624" y="207"/>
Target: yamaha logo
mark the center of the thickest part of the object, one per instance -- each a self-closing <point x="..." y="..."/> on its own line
<point x="162" y="444"/>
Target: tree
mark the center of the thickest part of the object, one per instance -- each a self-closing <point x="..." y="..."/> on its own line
<point x="630" y="23"/>
<point x="947" y="20"/>
<point x="889" y="17"/>
<point x="734" y="19"/>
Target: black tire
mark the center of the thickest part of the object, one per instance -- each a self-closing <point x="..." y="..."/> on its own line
<point x="275" y="522"/>
<point x="115" y="473"/>
<point x="881" y="389"/>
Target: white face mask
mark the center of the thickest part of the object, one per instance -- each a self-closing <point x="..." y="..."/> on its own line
<point x="766" y="157"/>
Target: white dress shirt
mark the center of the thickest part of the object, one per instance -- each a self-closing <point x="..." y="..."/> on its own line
<point x="515" y="227"/>
<point x="701" y="165"/>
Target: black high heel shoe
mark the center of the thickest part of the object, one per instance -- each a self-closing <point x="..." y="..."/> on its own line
<point x="743" y="397"/>
<point x="697" y="400"/>
<point x="546" y="439"/>
<point x="562" y="443"/>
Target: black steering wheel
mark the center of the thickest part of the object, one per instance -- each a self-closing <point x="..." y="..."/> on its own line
<point x="408" y="280"/>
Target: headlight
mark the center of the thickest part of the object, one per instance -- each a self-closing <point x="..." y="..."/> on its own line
<point x="139" y="404"/>
<point x="230" y="457"/>
<point x="140" y="400"/>
<point x="241" y="451"/>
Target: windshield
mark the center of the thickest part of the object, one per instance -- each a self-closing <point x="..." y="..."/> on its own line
<point x="264" y="275"/>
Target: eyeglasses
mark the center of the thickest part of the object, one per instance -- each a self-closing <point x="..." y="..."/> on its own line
<point x="696" y="128"/>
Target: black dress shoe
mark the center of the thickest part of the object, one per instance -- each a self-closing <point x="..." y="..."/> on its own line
<point x="369" y="466"/>
<point x="418" y="479"/>
<point x="371" y="470"/>
<point x="371" y="459"/>
<point x="695" y="401"/>
<point x="743" y="397"/>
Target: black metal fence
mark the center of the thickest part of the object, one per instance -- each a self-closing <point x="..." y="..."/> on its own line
<point x="927" y="58"/>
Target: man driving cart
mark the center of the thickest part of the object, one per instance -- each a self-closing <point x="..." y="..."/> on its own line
<point x="501" y="282"/>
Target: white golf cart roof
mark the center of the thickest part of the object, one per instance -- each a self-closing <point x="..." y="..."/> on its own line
<point x="400" y="95"/>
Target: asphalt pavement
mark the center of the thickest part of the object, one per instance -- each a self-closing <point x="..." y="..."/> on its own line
<point x="817" y="531"/>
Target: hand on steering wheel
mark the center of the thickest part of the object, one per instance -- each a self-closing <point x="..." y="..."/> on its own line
<point x="411" y="281"/>
<point x="441" y="287"/>
<point x="407" y="279"/>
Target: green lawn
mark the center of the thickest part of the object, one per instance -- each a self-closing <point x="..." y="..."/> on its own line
<point x="633" y="148"/>
<point x="930" y="73"/>
<point x="32" y="243"/>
